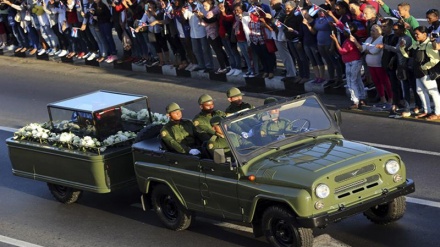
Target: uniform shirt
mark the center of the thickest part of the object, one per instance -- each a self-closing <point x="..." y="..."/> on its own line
<point x="201" y="121"/>
<point x="275" y="128"/>
<point x="180" y="136"/>
<point x="232" y="108"/>
<point x="220" y="142"/>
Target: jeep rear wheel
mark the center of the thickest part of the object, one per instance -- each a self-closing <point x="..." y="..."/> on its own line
<point x="170" y="211"/>
<point x="386" y="213"/>
<point x="64" y="194"/>
<point x="280" y="229"/>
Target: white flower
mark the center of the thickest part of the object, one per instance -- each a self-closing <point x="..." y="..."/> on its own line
<point x="66" y="137"/>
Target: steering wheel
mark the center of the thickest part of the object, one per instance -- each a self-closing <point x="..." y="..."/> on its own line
<point x="301" y="124"/>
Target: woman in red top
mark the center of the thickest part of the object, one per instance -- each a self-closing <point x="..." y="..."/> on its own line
<point x="351" y="56"/>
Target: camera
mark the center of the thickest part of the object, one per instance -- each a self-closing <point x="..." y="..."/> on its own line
<point x="434" y="35"/>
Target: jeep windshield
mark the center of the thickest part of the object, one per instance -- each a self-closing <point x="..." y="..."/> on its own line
<point x="253" y="132"/>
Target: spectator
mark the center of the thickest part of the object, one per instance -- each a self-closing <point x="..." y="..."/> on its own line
<point x="241" y="30"/>
<point x="183" y="28"/>
<point x="359" y="20"/>
<point x="229" y="40"/>
<point x="311" y="47"/>
<point x="103" y="18"/>
<point x="351" y="56"/>
<point x="295" y="43"/>
<point x="46" y="32"/>
<point x="199" y="40"/>
<point x="404" y="15"/>
<point x="259" y="31"/>
<point x="51" y="7"/>
<point x="425" y="57"/>
<point x="210" y="21"/>
<point x="378" y="73"/>
<point x="323" y="27"/>
<point x="281" y="32"/>
<point x="389" y="62"/>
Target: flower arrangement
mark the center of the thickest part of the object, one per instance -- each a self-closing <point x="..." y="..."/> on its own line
<point x="42" y="133"/>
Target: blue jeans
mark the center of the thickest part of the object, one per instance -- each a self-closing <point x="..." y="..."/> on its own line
<point x="203" y="53"/>
<point x="233" y="54"/>
<point x="244" y="48"/>
<point x="313" y="55"/>
<point x="354" y="81"/>
<point x="102" y="45"/>
<point x="106" y="31"/>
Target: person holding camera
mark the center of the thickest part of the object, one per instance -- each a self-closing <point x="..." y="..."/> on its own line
<point x="425" y="58"/>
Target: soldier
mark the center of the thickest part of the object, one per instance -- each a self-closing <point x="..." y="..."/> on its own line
<point x="219" y="141"/>
<point x="274" y="127"/>
<point x="201" y="120"/>
<point x="235" y="97"/>
<point x="180" y="134"/>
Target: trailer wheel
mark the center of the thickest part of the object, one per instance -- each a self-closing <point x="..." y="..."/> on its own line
<point x="170" y="211"/>
<point x="64" y="194"/>
<point x="281" y="230"/>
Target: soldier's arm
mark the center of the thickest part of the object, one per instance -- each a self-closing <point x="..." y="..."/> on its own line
<point x="172" y="143"/>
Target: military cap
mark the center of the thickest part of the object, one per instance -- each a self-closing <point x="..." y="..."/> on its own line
<point x="172" y="107"/>
<point x="215" y="120"/>
<point x="233" y="92"/>
<point x="270" y="100"/>
<point x="205" y="98"/>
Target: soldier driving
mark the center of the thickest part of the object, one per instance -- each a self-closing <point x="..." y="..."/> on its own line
<point x="180" y="134"/>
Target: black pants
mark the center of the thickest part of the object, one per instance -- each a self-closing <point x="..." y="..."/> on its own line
<point x="217" y="46"/>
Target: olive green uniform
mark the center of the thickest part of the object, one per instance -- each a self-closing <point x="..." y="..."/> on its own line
<point x="275" y="129"/>
<point x="181" y="136"/>
<point x="201" y="121"/>
<point x="232" y="108"/>
<point x="217" y="142"/>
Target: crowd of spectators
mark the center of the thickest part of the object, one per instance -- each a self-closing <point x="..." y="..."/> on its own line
<point x="336" y="39"/>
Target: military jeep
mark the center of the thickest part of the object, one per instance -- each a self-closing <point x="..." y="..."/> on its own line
<point x="291" y="180"/>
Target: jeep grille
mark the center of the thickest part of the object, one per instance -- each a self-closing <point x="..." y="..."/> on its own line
<point x="357" y="186"/>
<point x="354" y="173"/>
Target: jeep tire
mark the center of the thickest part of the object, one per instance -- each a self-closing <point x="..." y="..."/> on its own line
<point x="280" y="229"/>
<point x="384" y="214"/>
<point x="64" y="194"/>
<point x="170" y="211"/>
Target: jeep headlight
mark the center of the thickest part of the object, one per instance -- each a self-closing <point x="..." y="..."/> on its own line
<point x="392" y="167"/>
<point x="322" y="191"/>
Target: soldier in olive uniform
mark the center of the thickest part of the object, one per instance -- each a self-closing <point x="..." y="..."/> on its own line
<point x="219" y="141"/>
<point x="180" y="134"/>
<point x="274" y="127"/>
<point x="201" y="120"/>
<point x="235" y="97"/>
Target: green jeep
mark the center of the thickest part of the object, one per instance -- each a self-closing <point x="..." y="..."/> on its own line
<point x="289" y="181"/>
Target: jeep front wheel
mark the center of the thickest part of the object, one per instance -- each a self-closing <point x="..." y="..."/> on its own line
<point x="170" y="211"/>
<point x="384" y="214"/>
<point x="280" y="229"/>
<point x="64" y="194"/>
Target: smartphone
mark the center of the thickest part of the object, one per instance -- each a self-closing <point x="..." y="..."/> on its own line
<point x="147" y="6"/>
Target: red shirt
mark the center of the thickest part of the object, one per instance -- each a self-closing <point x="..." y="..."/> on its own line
<point x="71" y="16"/>
<point x="349" y="52"/>
<point x="372" y="3"/>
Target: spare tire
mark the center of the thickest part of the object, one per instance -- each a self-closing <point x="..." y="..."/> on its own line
<point x="150" y="131"/>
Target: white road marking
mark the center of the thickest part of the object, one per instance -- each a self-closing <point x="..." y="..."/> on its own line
<point x="401" y="148"/>
<point x="423" y="202"/>
<point x="16" y="242"/>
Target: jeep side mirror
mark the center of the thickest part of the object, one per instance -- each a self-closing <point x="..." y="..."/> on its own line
<point x="219" y="156"/>
<point x="338" y="117"/>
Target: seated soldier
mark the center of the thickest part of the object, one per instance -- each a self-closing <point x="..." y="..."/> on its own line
<point x="235" y="97"/>
<point x="180" y="134"/>
<point x="201" y="120"/>
<point x="274" y="127"/>
<point x="219" y="141"/>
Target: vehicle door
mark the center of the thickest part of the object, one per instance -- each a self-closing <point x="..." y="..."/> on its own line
<point x="184" y="174"/>
<point x="218" y="185"/>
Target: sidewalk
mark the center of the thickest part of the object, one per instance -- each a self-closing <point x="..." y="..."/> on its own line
<point x="256" y="86"/>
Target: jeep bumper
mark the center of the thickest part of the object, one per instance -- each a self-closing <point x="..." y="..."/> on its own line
<point x="324" y="219"/>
